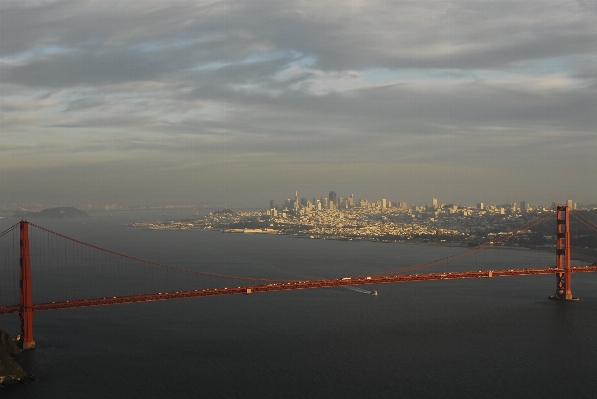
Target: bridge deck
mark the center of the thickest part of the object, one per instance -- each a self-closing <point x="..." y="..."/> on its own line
<point x="297" y="285"/>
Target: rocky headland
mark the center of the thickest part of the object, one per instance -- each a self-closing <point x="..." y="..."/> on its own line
<point x="10" y="371"/>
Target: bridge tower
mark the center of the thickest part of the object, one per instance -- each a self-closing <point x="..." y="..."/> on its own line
<point x="26" y="297"/>
<point x="563" y="283"/>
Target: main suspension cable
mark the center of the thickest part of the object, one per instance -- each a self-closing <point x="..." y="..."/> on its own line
<point x="584" y="220"/>
<point x="156" y="263"/>
<point x="519" y="230"/>
<point x="11" y="228"/>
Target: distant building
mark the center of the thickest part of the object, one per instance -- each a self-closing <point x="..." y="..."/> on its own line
<point x="523" y="206"/>
<point x="434" y="203"/>
<point x="332" y="197"/>
<point x="571" y="204"/>
<point x="480" y="206"/>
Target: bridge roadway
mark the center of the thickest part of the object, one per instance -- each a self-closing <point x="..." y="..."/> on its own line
<point x="296" y="285"/>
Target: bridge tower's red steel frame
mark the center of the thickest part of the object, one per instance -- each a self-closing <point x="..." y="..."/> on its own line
<point x="26" y="295"/>
<point x="563" y="281"/>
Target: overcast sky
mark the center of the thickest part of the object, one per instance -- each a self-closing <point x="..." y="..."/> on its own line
<point x="239" y="102"/>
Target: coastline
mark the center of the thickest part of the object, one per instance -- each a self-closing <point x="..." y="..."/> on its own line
<point x="588" y="255"/>
<point x="10" y="371"/>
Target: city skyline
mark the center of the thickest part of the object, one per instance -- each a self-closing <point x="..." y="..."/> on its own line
<point x="293" y="204"/>
<point x="297" y="202"/>
<point x="149" y="103"/>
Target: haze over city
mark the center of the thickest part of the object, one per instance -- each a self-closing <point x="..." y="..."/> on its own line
<point x="239" y="102"/>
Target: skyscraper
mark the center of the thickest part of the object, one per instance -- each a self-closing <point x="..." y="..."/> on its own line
<point x="332" y="197"/>
<point x="296" y="202"/>
<point x="435" y="205"/>
<point x="571" y="204"/>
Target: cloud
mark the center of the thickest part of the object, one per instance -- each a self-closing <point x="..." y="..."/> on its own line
<point x="144" y="40"/>
<point x="308" y="83"/>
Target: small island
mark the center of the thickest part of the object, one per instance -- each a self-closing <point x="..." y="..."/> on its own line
<point x="10" y="371"/>
<point x="63" y="212"/>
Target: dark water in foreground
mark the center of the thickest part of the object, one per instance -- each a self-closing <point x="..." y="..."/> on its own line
<point x="496" y="337"/>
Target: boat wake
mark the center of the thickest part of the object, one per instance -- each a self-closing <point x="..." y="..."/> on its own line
<point x="359" y="290"/>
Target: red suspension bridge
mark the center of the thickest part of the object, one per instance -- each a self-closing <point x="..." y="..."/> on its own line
<point x="71" y="274"/>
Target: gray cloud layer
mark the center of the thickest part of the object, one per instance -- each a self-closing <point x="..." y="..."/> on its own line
<point x="398" y="99"/>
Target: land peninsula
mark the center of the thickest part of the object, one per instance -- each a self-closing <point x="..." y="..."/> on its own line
<point x="63" y="212"/>
<point x="445" y="225"/>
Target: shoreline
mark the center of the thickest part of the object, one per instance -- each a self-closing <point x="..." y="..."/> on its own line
<point x="586" y="254"/>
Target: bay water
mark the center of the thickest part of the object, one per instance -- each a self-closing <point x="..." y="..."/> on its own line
<point x="493" y="338"/>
